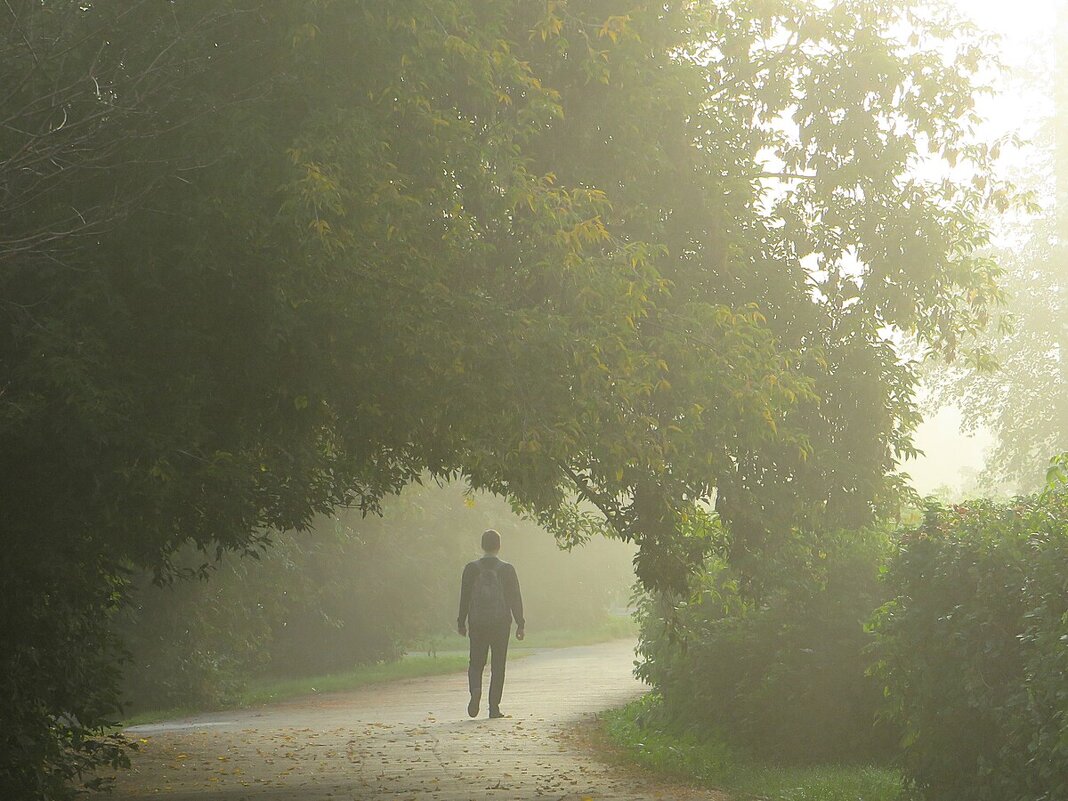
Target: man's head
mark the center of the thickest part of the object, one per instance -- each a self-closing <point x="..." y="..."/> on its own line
<point x="491" y="541"/>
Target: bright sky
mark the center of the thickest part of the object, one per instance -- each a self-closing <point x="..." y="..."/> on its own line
<point x="1018" y="16"/>
<point x="1025" y="27"/>
<point x="1016" y="20"/>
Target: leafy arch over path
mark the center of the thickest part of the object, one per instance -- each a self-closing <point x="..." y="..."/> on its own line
<point x="635" y="256"/>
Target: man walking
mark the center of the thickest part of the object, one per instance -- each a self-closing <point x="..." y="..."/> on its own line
<point x="489" y="600"/>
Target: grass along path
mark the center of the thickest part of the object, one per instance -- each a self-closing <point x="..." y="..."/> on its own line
<point x="261" y="691"/>
<point x="713" y="763"/>
<point x="442" y="656"/>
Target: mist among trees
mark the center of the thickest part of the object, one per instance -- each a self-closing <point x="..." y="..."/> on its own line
<point x="352" y="591"/>
<point x="281" y="281"/>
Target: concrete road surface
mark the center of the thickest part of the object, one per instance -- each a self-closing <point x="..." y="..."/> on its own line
<point x="405" y="740"/>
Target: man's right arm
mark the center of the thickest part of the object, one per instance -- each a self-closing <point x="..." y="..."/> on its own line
<point x="465" y="601"/>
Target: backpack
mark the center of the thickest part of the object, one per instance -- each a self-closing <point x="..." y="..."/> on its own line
<point x="488" y="604"/>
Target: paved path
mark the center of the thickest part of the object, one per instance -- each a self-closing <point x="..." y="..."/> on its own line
<point x="406" y="740"/>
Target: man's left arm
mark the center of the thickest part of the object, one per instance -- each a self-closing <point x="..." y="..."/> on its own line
<point x="515" y="601"/>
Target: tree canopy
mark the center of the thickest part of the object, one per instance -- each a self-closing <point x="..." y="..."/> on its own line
<point x="622" y="263"/>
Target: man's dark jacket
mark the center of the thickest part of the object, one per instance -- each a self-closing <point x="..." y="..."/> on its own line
<point x="509" y="582"/>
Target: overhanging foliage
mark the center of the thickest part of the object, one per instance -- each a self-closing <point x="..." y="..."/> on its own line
<point x="259" y="259"/>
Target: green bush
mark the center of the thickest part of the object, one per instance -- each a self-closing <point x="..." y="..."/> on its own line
<point x="784" y="675"/>
<point x="973" y="650"/>
<point x="59" y="682"/>
<point x="191" y="642"/>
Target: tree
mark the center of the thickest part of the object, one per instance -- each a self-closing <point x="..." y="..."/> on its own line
<point x="642" y="259"/>
<point x="95" y="102"/>
<point x="1018" y="394"/>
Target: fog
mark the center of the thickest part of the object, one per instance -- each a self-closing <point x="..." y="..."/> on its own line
<point x="970" y="426"/>
<point x="358" y="591"/>
<point x="951" y="457"/>
<point x="742" y="323"/>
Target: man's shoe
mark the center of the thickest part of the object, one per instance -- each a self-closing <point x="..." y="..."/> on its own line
<point x="496" y="713"/>
<point x="472" y="707"/>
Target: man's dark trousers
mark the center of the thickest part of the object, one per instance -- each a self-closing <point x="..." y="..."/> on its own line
<point x="492" y="637"/>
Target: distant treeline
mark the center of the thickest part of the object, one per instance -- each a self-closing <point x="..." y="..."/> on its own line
<point x="353" y="591"/>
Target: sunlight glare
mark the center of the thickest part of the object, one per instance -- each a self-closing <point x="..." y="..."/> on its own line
<point x="1018" y="25"/>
